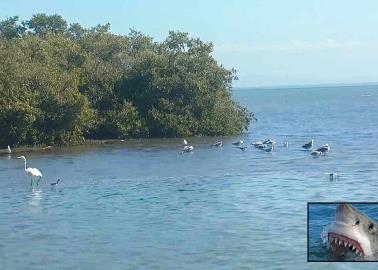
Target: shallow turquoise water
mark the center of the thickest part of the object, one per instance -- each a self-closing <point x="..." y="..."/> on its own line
<point x="142" y="205"/>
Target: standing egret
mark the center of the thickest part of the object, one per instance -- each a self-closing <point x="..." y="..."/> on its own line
<point x="33" y="172"/>
<point x="185" y="142"/>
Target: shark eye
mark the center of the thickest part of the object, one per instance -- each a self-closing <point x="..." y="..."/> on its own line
<point x="357" y="222"/>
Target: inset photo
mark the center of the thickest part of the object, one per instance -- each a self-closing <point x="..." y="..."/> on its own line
<point x="345" y="232"/>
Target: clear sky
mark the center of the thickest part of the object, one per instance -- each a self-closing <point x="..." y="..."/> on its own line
<point x="268" y="42"/>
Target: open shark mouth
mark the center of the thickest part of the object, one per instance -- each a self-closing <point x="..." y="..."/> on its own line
<point x="342" y="244"/>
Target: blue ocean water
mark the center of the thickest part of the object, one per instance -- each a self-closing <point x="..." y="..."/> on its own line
<point x="321" y="215"/>
<point x="142" y="205"/>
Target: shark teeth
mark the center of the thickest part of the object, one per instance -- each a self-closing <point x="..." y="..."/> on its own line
<point x="344" y="243"/>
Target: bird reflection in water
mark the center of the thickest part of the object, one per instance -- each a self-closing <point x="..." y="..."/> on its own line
<point x="35" y="197"/>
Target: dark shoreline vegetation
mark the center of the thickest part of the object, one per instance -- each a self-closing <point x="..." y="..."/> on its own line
<point x="63" y="84"/>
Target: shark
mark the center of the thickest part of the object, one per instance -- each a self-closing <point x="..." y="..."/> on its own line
<point x="353" y="234"/>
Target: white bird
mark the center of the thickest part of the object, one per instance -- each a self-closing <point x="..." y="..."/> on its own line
<point x="238" y="143"/>
<point x="258" y="143"/>
<point x="185" y="142"/>
<point x="218" y="144"/>
<point x="187" y="149"/>
<point x="9" y="151"/>
<point x="33" y="172"/>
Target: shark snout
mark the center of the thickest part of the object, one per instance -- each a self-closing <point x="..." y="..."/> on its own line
<point x="343" y="207"/>
<point x="346" y="214"/>
<point x="341" y="212"/>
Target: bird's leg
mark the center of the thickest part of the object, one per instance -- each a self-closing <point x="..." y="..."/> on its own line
<point x="39" y="179"/>
<point x="31" y="181"/>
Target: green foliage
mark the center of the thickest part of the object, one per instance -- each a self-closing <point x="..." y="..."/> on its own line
<point x="122" y="122"/>
<point x="63" y="84"/>
<point x="41" y="24"/>
<point x="11" y="28"/>
<point x="16" y="123"/>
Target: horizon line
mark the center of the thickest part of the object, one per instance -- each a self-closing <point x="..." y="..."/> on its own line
<point x="309" y="85"/>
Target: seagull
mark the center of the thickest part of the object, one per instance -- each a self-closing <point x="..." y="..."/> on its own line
<point x="270" y="141"/>
<point x="333" y="176"/>
<point x="33" y="172"/>
<point x="255" y="144"/>
<point x="238" y="143"/>
<point x="218" y="144"/>
<point x="259" y="145"/>
<point x="9" y="151"/>
<point x="324" y="149"/>
<point x="55" y="183"/>
<point x="187" y="149"/>
<point x="241" y="147"/>
<point x="316" y="153"/>
<point x="308" y="145"/>
<point x="286" y="144"/>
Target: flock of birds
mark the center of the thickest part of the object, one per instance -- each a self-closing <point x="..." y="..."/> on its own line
<point x="266" y="146"/>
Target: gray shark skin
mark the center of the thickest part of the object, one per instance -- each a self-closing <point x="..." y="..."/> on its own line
<point x="353" y="233"/>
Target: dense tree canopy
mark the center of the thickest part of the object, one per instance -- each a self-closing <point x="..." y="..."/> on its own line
<point x="62" y="84"/>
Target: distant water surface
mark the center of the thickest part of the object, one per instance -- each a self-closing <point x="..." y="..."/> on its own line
<point x="143" y="205"/>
